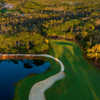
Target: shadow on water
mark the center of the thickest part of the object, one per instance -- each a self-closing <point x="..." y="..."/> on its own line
<point x="12" y="72"/>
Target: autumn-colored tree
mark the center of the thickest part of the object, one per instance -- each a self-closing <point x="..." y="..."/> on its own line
<point x="84" y="34"/>
<point x="89" y="27"/>
<point x="94" y="52"/>
<point x="73" y="23"/>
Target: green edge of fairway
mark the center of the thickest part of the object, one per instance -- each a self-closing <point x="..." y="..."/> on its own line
<point x="23" y="87"/>
<point x="81" y="82"/>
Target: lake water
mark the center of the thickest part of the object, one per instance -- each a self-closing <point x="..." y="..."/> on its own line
<point x="13" y="71"/>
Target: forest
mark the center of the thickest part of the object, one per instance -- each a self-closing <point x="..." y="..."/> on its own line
<point x="26" y="26"/>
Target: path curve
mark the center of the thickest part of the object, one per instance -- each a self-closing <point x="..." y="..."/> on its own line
<point x="37" y="91"/>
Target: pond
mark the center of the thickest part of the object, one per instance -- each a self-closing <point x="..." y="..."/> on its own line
<point x="12" y="71"/>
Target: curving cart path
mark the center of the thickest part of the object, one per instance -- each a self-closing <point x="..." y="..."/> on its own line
<point x="38" y="89"/>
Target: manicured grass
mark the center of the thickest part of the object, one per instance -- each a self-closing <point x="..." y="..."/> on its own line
<point x="81" y="82"/>
<point x="23" y="87"/>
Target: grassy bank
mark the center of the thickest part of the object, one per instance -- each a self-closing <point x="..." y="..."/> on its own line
<point x="81" y="81"/>
<point x="23" y="87"/>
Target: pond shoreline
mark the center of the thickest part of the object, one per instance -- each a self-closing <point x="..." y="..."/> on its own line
<point x="19" y="56"/>
<point x="15" y="72"/>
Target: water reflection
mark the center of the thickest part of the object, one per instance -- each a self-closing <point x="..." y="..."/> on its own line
<point x="11" y="71"/>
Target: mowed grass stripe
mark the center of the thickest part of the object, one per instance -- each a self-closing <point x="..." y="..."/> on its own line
<point x="81" y="82"/>
<point x="82" y="79"/>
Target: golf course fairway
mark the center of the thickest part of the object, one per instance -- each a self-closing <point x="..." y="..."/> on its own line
<point x="82" y="81"/>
